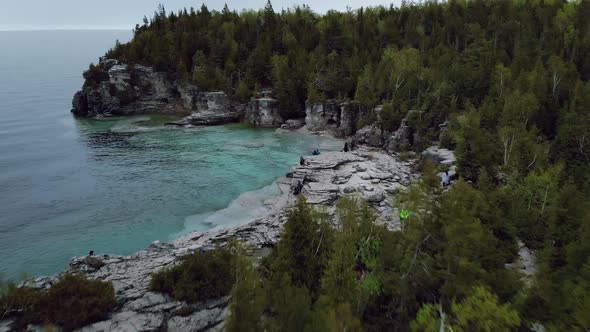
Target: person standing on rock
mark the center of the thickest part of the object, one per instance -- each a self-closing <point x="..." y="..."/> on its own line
<point x="345" y="147"/>
<point x="445" y="179"/>
<point x="299" y="187"/>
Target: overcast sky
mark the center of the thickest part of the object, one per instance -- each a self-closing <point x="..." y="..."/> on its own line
<point x="124" y="14"/>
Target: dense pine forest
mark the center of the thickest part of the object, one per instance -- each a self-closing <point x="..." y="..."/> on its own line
<point x="510" y="79"/>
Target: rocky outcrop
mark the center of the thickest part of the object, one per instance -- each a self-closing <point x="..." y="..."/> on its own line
<point x="370" y="135"/>
<point x="263" y="112"/>
<point x="400" y="140"/>
<point x="339" y="119"/>
<point x="365" y="173"/>
<point x="293" y="124"/>
<point x="112" y="88"/>
<point x="440" y="156"/>
<point x="525" y="263"/>
<point x="406" y="135"/>
<point x="322" y="116"/>
<point x="212" y="108"/>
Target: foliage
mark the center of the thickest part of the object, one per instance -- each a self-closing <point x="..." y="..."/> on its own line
<point x="75" y="301"/>
<point x="480" y="311"/>
<point x="199" y="277"/>
<point x="71" y="303"/>
<point x="511" y="81"/>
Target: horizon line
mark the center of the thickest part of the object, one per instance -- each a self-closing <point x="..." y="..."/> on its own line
<point x="66" y="28"/>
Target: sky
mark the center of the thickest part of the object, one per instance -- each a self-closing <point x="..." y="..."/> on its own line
<point x="124" y="14"/>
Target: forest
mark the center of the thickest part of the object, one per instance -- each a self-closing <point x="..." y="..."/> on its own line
<point x="510" y="81"/>
<point x="510" y="78"/>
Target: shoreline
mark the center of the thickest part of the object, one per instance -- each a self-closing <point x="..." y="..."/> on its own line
<point x="368" y="173"/>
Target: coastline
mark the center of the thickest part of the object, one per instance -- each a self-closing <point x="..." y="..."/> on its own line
<point x="368" y="173"/>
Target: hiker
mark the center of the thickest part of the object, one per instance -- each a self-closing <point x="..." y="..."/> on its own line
<point x="91" y="253"/>
<point x="301" y="161"/>
<point x="298" y="188"/>
<point x="445" y="179"/>
<point x="316" y="152"/>
<point x="345" y="147"/>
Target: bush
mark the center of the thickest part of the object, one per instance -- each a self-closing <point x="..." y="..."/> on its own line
<point x="199" y="277"/>
<point x="75" y="301"/>
<point x="22" y="302"/>
<point x="72" y="302"/>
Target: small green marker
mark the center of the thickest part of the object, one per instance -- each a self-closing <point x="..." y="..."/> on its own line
<point x="404" y="214"/>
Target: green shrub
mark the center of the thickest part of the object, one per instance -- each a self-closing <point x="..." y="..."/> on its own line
<point x="199" y="277"/>
<point x="23" y="302"/>
<point x="72" y="302"/>
<point x="75" y="301"/>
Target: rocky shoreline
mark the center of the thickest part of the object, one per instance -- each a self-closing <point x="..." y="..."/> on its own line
<point x="372" y="172"/>
<point x="368" y="173"/>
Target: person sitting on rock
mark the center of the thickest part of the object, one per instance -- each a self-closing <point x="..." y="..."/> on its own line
<point x="91" y="253"/>
<point x="301" y="161"/>
<point x="345" y="147"/>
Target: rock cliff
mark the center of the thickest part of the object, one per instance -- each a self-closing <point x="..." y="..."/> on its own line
<point x="400" y="140"/>
<point x="115" y="89"/>
<point x="339" y="119"/>
<point x="263" y="112"/>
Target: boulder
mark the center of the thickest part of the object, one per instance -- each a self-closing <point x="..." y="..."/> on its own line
<point x="406" y="135"/>
<point x="293" y="124"/>
<point x="369" y="135"/>
<point x="440" y="156"/>
<point x="375" y="197"/>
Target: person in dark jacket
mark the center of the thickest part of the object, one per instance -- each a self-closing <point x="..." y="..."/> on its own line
<point x="298" y="188"/>
<point x="301" y="161"/>
<point x="345" y="147"/>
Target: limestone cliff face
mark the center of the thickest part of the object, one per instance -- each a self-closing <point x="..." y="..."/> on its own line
<point x="112" y="88"/>
<point x="263" y="112"/>
<point x="116" y="89"/>
<point x="338" y="118"/>
<point x="401" y="139"/>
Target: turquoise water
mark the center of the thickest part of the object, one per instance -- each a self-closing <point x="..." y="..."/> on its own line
<point x="70" y="185"/>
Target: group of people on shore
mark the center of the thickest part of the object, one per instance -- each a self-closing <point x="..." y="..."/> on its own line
<point x="316" y="152"/>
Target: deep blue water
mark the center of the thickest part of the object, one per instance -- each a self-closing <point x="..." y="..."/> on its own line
<point x="71" y="185"/>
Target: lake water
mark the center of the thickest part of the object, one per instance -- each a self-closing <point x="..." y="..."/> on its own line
<point x="71" y="185"/>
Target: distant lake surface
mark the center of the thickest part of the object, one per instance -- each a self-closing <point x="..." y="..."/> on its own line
<point x="68" y="186"/>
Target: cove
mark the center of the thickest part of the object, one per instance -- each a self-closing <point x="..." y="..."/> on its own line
<point x="130" y="181"/>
